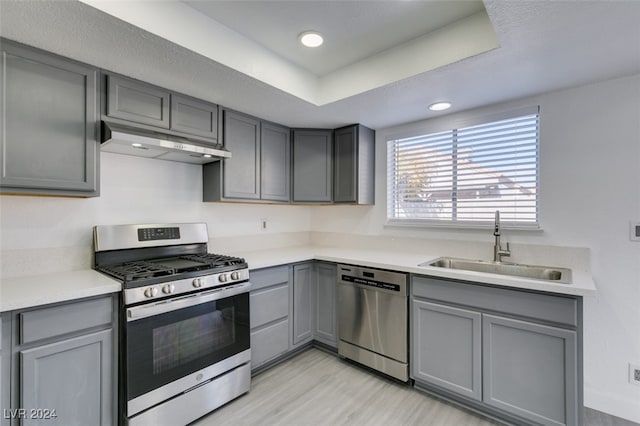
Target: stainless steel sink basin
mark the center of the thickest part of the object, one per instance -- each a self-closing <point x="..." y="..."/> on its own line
<point x="536" y="272"/>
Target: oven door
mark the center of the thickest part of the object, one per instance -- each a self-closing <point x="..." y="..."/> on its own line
<point x="176" y="344"/>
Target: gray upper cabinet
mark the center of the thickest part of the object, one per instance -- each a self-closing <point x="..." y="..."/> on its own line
<point x="530" y="370"/>
<point x="312" y="176"/>
<point x="49" y="116"/>
<point x="135" y="101"/>
<point x="354" y="165"/>
<point x="259" y="168"/>
<point x="326" y="329"/>
<point x="275" y="162"/>
<point x="446" y="348"/>
<point x="193" y="116"/>
<point x="241" y="172"/>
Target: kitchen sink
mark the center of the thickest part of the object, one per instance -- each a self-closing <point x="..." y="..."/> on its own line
<point x="536" y="272"/>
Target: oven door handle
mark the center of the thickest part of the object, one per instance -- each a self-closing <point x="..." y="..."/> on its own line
<point x="144" y="311"/>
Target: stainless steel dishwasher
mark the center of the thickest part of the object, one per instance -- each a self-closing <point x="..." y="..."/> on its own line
<point x="372" y="306"/>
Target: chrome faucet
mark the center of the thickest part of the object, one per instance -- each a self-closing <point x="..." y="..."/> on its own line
<point x="498" y="251"/>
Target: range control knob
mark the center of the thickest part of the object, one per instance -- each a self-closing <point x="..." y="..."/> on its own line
<point x="151" y="292"/>
<point x="222" y="278"/>
<point x="235" y="275"/>
<point x="168" y="289"/>
<point x="197" y="283"/>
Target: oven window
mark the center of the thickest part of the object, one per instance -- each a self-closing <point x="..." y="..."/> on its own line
<point x="171" y="345"/>
<point x="193" y="338"/>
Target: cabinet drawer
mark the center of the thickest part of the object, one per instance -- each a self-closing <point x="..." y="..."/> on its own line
<point x="269" y="305"/>
<point x="58" y="320"/>
<point x="561" y="310"/>
<point x="269" y="342"/>
<point x="267" y="277"/>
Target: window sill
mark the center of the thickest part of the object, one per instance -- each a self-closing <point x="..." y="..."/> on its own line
<point x="424" y="224"/>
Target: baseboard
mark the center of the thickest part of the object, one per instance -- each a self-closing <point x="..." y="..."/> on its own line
<point x="625" y="409"/>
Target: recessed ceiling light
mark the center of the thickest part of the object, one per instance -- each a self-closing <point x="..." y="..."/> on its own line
<point x="311" y="38"/>
<point x="136" y="145"/>
<point x="440" y="106"/>
<point x="207" y="156"/>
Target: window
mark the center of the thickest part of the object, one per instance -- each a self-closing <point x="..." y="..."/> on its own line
<point x="462" y="176"/>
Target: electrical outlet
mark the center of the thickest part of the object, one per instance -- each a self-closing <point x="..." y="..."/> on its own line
<point x="634" y="374"/>
<point x="634" y="231"/>
<point x="263" y="224"/>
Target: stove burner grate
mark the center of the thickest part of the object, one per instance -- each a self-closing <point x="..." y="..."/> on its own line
<point x="154" y="268"/>
<point x="137" y="270"/>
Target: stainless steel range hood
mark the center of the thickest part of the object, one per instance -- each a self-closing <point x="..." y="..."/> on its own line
<point x="152" y="144"/>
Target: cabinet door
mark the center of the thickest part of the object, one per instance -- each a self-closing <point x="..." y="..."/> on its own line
<point x="5" y="367"/>
<point x="345" y="165"/>
<point x="325" y="329"/>
<point x="72" y="377"/>
<point x="242" y="170"/>
<point x="302" y="303"/>
<point x="530" y="370"/>
<point x="194" y="117"/>
<point x="135" y="101"/>
<point x="269" y="342"/>
<point x="312" y="166"/>
<point x="275" y="160"/>
<point x="446" y="348"/>
<point x="49" y="122"/>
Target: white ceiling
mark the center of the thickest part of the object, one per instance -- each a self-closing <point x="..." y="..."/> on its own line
<point x="543" y="46"/>
<point x="353" y="30"/>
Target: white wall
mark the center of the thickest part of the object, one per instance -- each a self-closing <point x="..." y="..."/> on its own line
<point x="590" y="190"/>
<point x="136" y="190"/>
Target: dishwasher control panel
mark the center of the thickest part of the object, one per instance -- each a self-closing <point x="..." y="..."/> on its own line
<point x="370" y="283"/>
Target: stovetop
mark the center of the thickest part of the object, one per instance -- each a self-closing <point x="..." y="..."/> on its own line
<point x="164" y="269"/>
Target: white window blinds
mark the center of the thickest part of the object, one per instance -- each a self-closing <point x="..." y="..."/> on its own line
<point x="462" y="176"/>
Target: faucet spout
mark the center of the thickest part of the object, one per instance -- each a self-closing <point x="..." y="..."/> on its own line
<point x="498" y="251"/>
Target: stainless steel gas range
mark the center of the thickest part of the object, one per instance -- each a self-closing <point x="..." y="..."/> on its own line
<point x="185" y="343"/>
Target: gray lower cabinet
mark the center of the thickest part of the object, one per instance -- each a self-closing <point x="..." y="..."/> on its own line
<point x="303" y="284"/>
<point x="354" y="165"/>
<point x="70" y="379"/>
<point x="62" y="364"/>
<point x="5" y="367"/>
<point x="325" y="324"/>
<point x="513" y="354"/>
<point x="49" y="120"/>
<point x="312" y="166"/>
<point x="269" y="314"/>
<point x="446" y="348"/>
<point x="530" y="370"/>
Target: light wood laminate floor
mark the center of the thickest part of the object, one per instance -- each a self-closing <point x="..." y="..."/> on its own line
<point x="316" y="388"/>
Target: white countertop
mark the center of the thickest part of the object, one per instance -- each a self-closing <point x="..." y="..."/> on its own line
<point x="582" y="282"/>
<point x="24" y="292"/>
